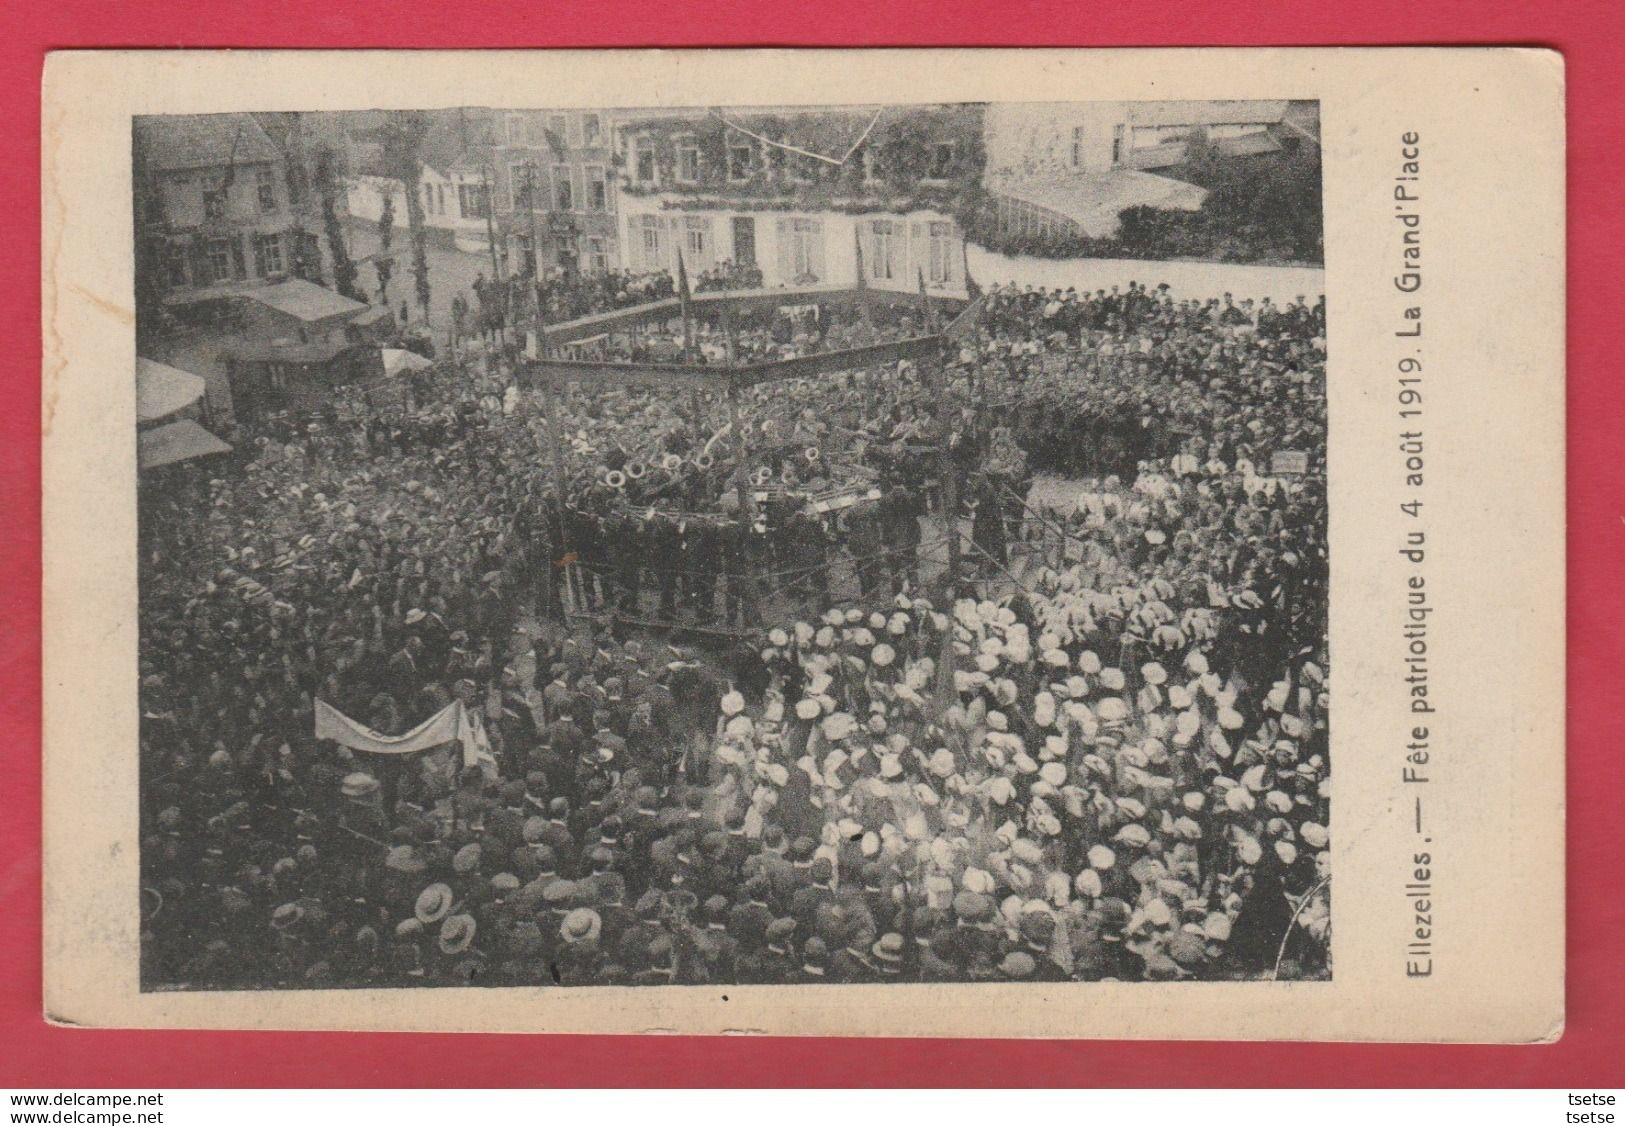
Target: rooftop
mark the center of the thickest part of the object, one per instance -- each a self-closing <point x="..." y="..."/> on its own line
<point x="174" y="142"/>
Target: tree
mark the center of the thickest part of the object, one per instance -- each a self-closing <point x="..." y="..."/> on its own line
<point x="327" y="186"/>
<point x="149" y="252"/>
<point x="384" y="266"/>
<point x="386" y="223"/>
<point x="403" y="141"/>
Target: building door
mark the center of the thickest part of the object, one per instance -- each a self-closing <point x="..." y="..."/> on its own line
<point x="744" y="240"/>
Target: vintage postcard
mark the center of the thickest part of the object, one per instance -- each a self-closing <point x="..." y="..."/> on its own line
<point x="908" y="543"/>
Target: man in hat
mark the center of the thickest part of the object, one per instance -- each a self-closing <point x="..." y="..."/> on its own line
<point x="854" y="963"/>
<point x="774" y="961"/>
<point x="405" y="675"/>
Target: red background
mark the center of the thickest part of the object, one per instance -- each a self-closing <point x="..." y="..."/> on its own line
<point x="1588" y="32"/>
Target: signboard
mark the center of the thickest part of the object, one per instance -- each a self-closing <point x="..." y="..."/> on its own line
<point x="1285" y="463"/>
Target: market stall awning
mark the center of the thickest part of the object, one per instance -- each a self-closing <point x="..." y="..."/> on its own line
<point x="397" y="360"/>
<point x="161" y="390"/>
<point x="305" y="300"/>
<point x="1094" y="200"/>
<point x="176" y="442"/>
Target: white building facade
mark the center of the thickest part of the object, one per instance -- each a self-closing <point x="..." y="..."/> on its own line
<point x="793" y="248"/>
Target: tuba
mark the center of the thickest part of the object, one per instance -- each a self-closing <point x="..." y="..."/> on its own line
<point x="703" y="461"/>
<point x="762" y="475"/>
<point x="671" y="463"/>
<point x="635" y="470"/>
<point x="615" y="479"/>
<point x="813" y="455"/>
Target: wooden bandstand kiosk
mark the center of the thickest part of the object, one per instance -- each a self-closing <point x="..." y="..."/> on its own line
<point x="558" y="362"/>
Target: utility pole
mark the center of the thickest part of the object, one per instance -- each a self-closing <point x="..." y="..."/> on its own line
<point x="747" y="499"/>
<point x="496" y="262"/>
<point x="935" y="364"/>
<point x="490" y="225"/>
<point x="550" y="396"/>
<point x="535" y="246"/>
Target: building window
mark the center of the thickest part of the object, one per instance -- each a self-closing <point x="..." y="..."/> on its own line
<point x="871" y="165"/>
<point x="942" y="252"/>
<point x="883" y="249"/>
<point x="801" y="250"/>
<point x="563" y="197"/>
<point x="688" y="161"/>
<point x="646" y="249"/>
<point x="268" y="255"/>
<point x="155" y="204"/>
<point x="516" y="128"/>
<point x="559" y="126"/>
<point x="220" y="259"/>
<point x="1077" y="146"/>
<point x="942" y="160"/>
<point x="175" y="264"/>
<point x="265" y="188"/>
<point x="214" y="203"/>
<point x="1117" y="144"/>
<point x="523" y="179"/>
<point x="597" y="256"/>
<point x="740" y="160"/>
<point x="597" y="188"/>
<point x="643" y="160"/>
<point x="697" y="241"/>
<point x="473" y="202"/>
<point x="440" y="198"/>
<point x="592" y="129"/>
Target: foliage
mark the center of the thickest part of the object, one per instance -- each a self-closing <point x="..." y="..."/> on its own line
<point x="402" y="143"/>
<point x="386" y="223"/>
<point x="304" y="258"/>
<point x="384" y="267"/>
<point x="894" y="168"/>
<point x="327" y="187"/>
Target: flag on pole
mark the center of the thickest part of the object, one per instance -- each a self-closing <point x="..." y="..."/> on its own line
<point x="476" y="744"/>
<point x="683" y="299"/>
<point x="972" y="290"/>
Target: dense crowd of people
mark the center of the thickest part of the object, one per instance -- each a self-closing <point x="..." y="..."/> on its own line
<point x="496" y="303"/>
<point x="1105" y="758"/>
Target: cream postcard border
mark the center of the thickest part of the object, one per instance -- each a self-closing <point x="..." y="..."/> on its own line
<point x="1490" y="124"/>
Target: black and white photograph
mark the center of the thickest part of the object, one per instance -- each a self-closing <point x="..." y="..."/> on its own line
<point x="733" y="545"/>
